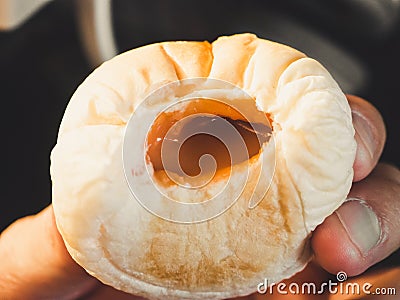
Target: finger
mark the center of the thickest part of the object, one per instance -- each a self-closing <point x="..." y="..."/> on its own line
<point x="35" y="263"/>
<point x="370" y="136"/>
<point x="365" y="229"/>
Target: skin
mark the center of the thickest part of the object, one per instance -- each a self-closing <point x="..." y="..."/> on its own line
<point x="36" y="265"/>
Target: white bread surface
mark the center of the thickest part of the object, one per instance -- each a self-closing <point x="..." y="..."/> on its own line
<point x="122" y="244"/>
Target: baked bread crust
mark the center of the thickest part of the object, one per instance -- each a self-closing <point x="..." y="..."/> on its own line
<point x="116" y="240"/>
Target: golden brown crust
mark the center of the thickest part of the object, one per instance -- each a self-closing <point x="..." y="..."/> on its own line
<point x="190" y="59"/>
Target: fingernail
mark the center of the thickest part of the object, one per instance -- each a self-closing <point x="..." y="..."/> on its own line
<point x="364" y="135"/>
<point x="361" y="224"/>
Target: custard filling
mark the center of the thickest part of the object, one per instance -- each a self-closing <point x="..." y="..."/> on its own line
<point x="178" y="140"/>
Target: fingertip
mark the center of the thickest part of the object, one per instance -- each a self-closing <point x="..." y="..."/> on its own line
<point x="49" y="230"/>
<point x="63" y="270"/>
<point x="54" y="243"/>
<point x="370" y="136"/>
<point x="333" y="250"/>
<point x="35" y="262"/>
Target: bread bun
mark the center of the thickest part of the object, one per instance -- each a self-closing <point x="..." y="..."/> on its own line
<point x="305" y="168"/>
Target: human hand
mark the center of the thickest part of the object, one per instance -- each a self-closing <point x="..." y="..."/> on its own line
<point x="366" y="228"/>
<point x="36" y="265"/>
<point x="362" y="232"/>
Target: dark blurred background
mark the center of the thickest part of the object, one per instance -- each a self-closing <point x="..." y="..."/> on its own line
<point x="44" y="60"/>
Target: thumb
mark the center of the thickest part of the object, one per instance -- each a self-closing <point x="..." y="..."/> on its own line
<point x="35" y="263"/>
<point x="364" y="230"/>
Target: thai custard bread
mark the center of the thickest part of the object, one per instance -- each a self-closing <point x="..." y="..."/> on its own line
<point x="190" y="170"/>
